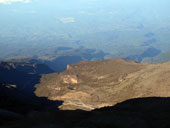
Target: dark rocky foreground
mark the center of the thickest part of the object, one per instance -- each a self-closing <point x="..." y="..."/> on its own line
<point x="135" y="113"/>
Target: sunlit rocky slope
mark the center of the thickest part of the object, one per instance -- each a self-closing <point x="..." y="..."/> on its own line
<point x="90" y="85"/>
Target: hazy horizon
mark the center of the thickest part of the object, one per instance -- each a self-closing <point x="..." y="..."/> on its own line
<point x="121" y="28"/>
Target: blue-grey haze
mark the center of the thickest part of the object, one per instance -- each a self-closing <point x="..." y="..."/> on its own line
<point x="121" y="28"/>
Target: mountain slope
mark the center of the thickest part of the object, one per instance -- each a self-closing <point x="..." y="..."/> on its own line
<point x="90" y="85"/>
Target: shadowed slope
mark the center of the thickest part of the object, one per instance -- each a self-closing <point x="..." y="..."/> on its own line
<point x="17" y="82"/>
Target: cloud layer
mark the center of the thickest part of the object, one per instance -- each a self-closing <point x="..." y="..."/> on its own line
<point x="67" y="20"/>
<point x="13" y="1"/>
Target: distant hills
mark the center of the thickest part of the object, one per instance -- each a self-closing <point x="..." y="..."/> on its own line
<point x="58" y="59"/>
<point x="148" y="53"/>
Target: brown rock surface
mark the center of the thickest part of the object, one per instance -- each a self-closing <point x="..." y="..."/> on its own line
<point x="89" y="85"/>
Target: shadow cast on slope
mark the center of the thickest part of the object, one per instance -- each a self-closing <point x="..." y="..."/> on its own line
<point x="17" y="89"/>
